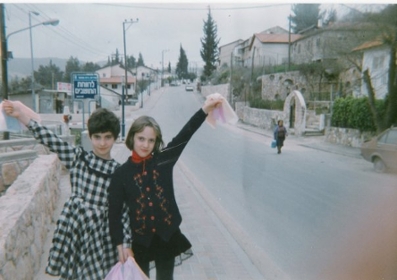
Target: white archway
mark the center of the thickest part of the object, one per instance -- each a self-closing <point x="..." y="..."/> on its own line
<point x="299" y="117"/>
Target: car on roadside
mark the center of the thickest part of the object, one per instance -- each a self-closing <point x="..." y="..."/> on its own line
<point x="381" y="150"/>
<point x="189" y="88"/>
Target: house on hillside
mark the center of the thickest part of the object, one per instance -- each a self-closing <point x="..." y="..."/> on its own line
<point x="226" y="53"/>
<point x="329" y="42"/>
<point x="375" y="59"/>
<point x="113" y="78"/>
<point x="270" y="48"/>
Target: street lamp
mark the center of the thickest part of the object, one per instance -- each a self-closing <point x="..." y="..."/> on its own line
<point x="49" y="22"/>
<point x="162" y="66"/>
<point x="125" y="79"/>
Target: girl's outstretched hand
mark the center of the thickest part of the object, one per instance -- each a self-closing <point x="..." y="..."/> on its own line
<point x="211" y="104"/>
<point x="17" y="110"/>
<point x="10" y="109"/>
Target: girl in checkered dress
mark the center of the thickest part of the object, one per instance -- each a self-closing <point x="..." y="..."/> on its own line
<point x="81" y="245"/>
<point x="145" y="184"/>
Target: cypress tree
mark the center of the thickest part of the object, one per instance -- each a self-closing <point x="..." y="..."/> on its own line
<point x="209" y="51"/>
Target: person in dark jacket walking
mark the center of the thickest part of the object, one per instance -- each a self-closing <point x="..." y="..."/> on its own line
<point x="145" y="183"/>
<point x="280" y="132"/>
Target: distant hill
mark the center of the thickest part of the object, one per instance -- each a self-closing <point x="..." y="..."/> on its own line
<point x="22" y="67"/>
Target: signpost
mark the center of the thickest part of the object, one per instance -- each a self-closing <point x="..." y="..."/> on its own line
<point x="85" y="86"/>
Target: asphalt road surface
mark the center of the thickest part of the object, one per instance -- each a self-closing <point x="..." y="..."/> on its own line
<point x="314" y="214"/>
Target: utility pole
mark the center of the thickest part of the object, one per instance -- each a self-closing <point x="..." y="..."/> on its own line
<point x="289" y="43"/>
<point x="3" y="55"/>
<point x="123" y="95"/>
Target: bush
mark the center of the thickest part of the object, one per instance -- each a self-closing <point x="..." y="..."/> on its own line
<point x="349" y="112"/>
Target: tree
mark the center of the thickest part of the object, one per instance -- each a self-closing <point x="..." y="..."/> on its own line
<point x="181" y="66"/>
<point x="90" y="67"/>
<point x="169" y="67"/>
<point x="131" y="62"/>
<point x="140" y="60"/>
<point x="305" y="15"/>
<point x="47" y="76"/>
<point x="209" y="51"/>
<point x="72" y="65"/>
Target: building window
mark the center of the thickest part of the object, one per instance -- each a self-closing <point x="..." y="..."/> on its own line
<point x="114" y="86"/>
<point x="104" y="75"/>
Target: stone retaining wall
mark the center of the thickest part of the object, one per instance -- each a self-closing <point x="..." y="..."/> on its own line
<point x="25" y="210"/>
<point x="346" y="136"/>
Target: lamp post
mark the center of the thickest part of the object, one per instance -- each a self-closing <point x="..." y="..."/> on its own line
<point x="162" y="66"/>
<point x="125" y="79"/>
<point x="51" y="22"/>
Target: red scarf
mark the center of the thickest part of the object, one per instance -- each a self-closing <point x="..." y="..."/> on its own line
<point x="138" y="159"/>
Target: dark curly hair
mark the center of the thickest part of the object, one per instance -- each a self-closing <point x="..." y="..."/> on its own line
<point x="139" y="125"/>
<point x="102" y="120"/>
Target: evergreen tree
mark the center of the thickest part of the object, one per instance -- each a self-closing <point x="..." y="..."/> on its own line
<point x="209" y="51"/>
<point x="305" y="15"/>
<point x="181" y="66"/>
<point x="116" y="58"/>
<point x="72" y="65"/>
<point x="90" y="67"/>
<point x="48" y="76"/>
<point x="131" y="62"/>
<point x="169" y="67"/>
<point x="140" y="60"/>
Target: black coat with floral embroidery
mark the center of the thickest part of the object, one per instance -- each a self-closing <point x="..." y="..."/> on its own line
<point x="147" y="189"/>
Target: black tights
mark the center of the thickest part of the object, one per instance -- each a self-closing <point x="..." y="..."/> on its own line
<point x="164" y="268"/>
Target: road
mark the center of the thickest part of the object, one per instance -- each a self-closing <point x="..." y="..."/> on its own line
<point x="315" y="214"/>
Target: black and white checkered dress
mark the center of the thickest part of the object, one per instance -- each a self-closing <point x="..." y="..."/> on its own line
<point x="81" y="246"/>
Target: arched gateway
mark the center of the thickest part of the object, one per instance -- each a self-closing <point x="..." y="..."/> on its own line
<point x="295" y="112"/>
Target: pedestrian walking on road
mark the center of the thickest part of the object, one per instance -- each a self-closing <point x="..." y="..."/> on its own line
<point x="81" y="245"/>
<point x="145" y="183"/>
<point x="280" y="132"/>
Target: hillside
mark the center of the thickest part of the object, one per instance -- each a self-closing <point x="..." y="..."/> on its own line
<point x="22" y="67"/>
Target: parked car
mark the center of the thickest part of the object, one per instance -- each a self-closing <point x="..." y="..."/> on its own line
<point x="382" y="150"/>
<point x="189" y="88"/>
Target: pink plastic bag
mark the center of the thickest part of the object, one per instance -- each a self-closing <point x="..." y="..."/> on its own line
<point x="130" y="270"/>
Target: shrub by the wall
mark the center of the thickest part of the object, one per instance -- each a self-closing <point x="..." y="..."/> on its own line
<point x="349" y="112"/>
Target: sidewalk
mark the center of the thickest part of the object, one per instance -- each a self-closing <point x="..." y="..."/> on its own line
<point x="313" y="142"/>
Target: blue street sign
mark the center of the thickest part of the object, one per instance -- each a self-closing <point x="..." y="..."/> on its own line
<point x="85" y="85"/>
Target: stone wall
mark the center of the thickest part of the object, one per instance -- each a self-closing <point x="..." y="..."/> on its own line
<point x="25" y="210"/>
<point x="15" y="156"/>
<point x="346" y="136"/>
<point x="262" y="118"/>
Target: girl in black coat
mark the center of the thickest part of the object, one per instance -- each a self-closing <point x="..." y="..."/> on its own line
<point x="145" y="183"/>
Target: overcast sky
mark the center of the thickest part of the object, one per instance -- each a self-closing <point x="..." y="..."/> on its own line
<point x="92" y="32"/>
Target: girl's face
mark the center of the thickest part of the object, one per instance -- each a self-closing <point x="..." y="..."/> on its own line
<point x="102" y="143"/>
<point x="144" y="141"/>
